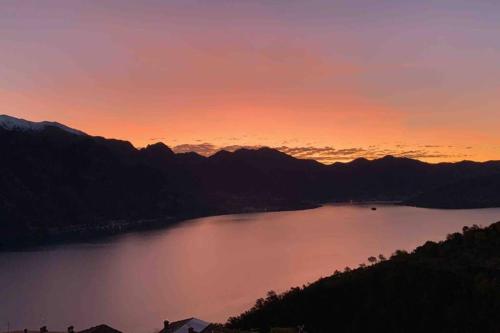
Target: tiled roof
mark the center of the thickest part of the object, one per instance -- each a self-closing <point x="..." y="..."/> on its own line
<point x="175" y="325"/>
<point x="214" y="328"/>
<point x="182" y="326"/>
<point x="31" y="331"/>
<point x="100" y="329"/>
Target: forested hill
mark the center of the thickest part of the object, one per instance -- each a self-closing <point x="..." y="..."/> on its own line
<point x="451" y="286"/>
<point x="475" y="192"/>
<point x="56" y="181"/>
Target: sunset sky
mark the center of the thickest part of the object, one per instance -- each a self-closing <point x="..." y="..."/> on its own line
<point x="330" y="80"/>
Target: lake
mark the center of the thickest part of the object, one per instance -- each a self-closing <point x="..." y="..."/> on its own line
<point x="210" y="268"/>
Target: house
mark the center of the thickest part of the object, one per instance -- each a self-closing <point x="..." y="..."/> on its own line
<point x="216" y="328"/>
<point x="95" y="329"/>
<point x="34" y="331"/>
<point x="195" y="325"/>
<point x="189" y="325"/>
<point x="100" y="329"/>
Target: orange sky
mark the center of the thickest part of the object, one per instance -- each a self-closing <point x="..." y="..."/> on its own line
<point x="330" y="80"/>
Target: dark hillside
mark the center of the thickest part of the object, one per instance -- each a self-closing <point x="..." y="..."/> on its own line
<point x="477" y="192"/>
<point x="451" y="286"/>
<point x="57" y="182"/>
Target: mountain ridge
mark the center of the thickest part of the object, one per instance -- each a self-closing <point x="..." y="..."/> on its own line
<point x="53" y="180"/>
<point x="12" y="123"/>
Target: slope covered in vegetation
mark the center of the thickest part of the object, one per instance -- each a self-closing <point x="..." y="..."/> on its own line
<point x="475" y="192"/>
<point x="450" y="286"/>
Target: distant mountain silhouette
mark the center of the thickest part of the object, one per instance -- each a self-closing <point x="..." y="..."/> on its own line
<point x="58" y="182"/>
<point x="477" y="192"/>
<point x="12" y="123"/>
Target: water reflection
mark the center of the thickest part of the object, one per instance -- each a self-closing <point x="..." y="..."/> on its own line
<point x="210" y="268"/>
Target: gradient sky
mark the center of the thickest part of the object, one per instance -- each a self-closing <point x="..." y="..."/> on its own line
<point x="331" y="80"/>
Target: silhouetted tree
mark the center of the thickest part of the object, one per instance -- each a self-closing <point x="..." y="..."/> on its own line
<point x="372" y="260"/>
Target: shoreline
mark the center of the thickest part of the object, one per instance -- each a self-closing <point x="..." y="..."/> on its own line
<point x="89" y="232"/>
<point x="86" y="233"/>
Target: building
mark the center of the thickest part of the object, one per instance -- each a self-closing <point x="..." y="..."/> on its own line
<point x="195" y="325"/>
<point x="100" y="329"/>
<point x="95" y="329"/>
<point x="189" y="325"/>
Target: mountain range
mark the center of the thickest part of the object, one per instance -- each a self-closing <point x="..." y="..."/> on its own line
<point x="59" y="183"/>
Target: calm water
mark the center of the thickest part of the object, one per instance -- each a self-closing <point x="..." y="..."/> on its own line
<point x="210" y="268"/>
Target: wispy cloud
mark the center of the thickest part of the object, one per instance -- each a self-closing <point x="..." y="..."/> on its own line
<point x="329" y="154"/>
<point x="205" y="149"/>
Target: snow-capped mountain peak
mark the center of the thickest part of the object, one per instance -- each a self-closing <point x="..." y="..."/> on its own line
<point x="17" y="124"/>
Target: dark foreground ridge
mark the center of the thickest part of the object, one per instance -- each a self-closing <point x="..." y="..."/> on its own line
<point x="450" y="286"/>
<point x="60" y="184"/>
